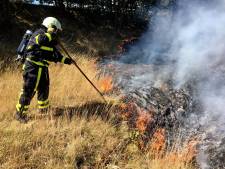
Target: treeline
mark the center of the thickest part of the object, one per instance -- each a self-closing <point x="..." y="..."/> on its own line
<point x="109" y="6"/>
<point x="119" y="10"/>
<point x="104" y="6"/>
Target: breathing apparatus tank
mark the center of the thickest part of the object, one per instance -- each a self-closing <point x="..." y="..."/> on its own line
<point x="21" y="50"/>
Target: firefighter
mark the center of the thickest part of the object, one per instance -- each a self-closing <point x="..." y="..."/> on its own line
<point x="40" y="51"/>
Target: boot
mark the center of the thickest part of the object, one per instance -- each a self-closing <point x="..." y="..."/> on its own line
<point x="21" y="117"/>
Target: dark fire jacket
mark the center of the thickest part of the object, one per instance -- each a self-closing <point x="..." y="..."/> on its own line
<point x="41" y="48"/>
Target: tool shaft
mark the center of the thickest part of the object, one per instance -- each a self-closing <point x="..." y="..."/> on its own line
<point x="83" y="72"/>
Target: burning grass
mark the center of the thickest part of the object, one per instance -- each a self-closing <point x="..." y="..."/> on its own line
<point x="106" y="84"/>
<point x="158" y="142"/>
<point x="143" y="120"/>
<point x="175" y="158"/>
<point x="80" y="142"/>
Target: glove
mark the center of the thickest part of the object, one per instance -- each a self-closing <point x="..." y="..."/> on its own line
<point x="68" y="61"/>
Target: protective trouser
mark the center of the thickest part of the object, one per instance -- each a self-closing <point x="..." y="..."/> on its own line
<point x="36" y="79"/>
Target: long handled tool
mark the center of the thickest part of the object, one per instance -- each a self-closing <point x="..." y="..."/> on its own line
<point x="63" y="48"/>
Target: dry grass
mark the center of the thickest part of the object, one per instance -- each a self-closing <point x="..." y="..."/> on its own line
<point x="79" y="143"/>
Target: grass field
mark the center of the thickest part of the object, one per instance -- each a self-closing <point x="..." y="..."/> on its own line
<point x="85" y="140"/>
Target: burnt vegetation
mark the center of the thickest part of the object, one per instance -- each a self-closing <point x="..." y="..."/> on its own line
<point x="149" y="115"/>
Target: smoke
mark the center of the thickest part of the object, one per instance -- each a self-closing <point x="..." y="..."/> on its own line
<point x="198" y="49"/>
<point x="188" y="41"/>
<point x="192" y="36"/>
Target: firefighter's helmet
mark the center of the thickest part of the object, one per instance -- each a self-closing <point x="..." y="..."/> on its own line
<point x="51" y="22"/>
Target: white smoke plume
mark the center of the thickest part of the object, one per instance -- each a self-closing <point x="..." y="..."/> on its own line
<point x="190" y="40"/>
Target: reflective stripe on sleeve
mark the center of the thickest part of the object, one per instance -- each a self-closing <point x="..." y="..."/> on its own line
<point x="29" y="47"/>
<point x="46" y="48"/>
<point x="63" y="59"/>
<point x="36" y="38"/>
<point x="49" y="36"/>
<point x="47" y="62"/>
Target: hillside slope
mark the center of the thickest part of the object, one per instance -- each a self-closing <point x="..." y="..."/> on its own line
<point x="84" y="134"/>
<point x="80" y="131"/>
<point x="83" y="32"/>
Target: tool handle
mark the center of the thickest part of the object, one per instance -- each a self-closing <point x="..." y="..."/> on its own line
<point x="74" y="62"/>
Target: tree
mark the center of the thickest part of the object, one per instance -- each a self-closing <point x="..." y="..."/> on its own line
<point x="59" y="3"/>
<point x="109" y="6"/>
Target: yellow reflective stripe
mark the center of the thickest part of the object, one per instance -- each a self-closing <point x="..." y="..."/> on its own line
<point x="37" y="63"/>
<point x="49" y="36"/>
<point x="18" y="107"/>
<point x="25" y="112"/>
<point x="38" y="78"/>
<point x="47" y="61"/>
<point x="23" y="68"/>
<point x="36" y="38"/>
<point x="29" y="47"/>
<point x="43" y="102"/>
<point x="20" y="94"/>
<point x="46" y="48"/>
<point x="63" y="59"/>
<point x="42" y="107"/>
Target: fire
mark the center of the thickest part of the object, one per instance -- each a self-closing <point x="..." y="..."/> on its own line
<point x="138" y="118"/>
<point x="158" y="141"/>
<point x="143" y="120"/>
<point x="151" y="140"/>
<point x="186" y="154"/>
<point x="106" y="84"/>
<point x="126" y="110"/>
<point x="190" y="151"/>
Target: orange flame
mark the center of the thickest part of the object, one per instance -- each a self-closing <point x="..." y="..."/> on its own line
<point x="184" y="155"/>
<point x="106" y="84"/>
<point x="143" y="120"/>
<point x="158" y="141"/>
<point x="190" y="151"/>
<point x="127" y="110"/>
